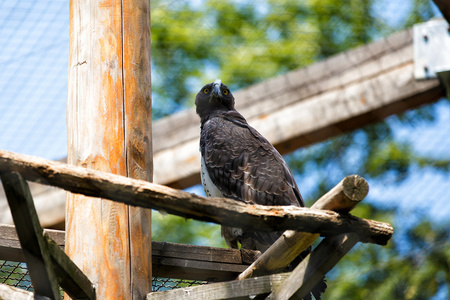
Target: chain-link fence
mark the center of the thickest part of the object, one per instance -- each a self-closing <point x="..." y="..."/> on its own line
<point x="16" y="274"/>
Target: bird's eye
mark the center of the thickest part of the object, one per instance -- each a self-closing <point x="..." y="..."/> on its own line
<point x="225" y="92"/>
<point x="206" y="91"/>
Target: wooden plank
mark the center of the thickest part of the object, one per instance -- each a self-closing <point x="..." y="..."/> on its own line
<point x="10" y="246"/>
<point x="70" y="277"/>
<point x="30" y="235"/>
<point x="109" y="129"/>
<point x="193" y="252"/>
<point x="306" y="106"/>
<point x="314" y="267"/>
<point x="218" y="210"/>
<point x="10" y="292"/>
<point x="170" y="260"/>
<point x="224" y="290"/>
<point x="167" y="267"/>
<point x="343" y="197"/>
<point x="50" y="206"/>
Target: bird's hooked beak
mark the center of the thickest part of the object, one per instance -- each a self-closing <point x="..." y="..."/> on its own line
<point x="216" y="89"/>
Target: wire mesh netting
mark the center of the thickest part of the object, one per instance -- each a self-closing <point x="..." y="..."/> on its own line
<point x="16" y="274"/>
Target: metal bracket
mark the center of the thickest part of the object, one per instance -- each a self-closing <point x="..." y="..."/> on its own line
<point x="431" y="48"/>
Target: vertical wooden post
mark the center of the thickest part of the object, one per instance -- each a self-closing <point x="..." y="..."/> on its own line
<point x="109" y="129"/>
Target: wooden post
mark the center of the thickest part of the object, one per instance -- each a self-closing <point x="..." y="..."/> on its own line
<point x="109" y="129"/>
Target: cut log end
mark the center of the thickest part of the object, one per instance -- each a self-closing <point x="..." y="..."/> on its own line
<point x="355" y="188"/>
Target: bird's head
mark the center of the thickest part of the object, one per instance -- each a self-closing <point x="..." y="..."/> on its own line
<point x="214" y="96"/>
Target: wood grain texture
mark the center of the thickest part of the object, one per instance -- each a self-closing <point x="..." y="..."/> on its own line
<point x="218" y="210"/>
<point x="138" y="135"/>
<point x="72" y="280"/>
<point x="314" y="267"/>
<point x="224" y="290"/>
<point x="9" y="242"/>
<point x="109" y="129"/>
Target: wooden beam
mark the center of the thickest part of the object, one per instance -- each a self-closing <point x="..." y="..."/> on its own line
<point x="444" y="7"/>
<point x="70" y="277"/>
<point x="306" y="106"/>
<point x="314" y="267"/>
<point x="38" y="247"/>
<point x="109" y="129"/>
<point x="50" y="203"/>
<point x="30" y="235"/>
<point x="343" y="197"/>
<point x="170" y="260"/>
<point x="10" y="246"/>
<point x="224" y="290"/>
<point x="218" y="210"/>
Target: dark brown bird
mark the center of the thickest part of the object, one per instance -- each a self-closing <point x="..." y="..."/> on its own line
<point x="239" y="163"/>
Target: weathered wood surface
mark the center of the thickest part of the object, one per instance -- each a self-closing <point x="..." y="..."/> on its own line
<point x="314" y="267"/>
<point x="170" y="260"/>
<point x="343" y="197"/>
<point x="45" y="259"/>
<point x="50" y="203"/>
<point x="72" y="280"/>
<point x="30" y="235"/>
<point x="9" y="292"/>
<point x="218" y="210"/>
<point x="138" y="135"/>
<point x="224" y="290"/>
<point x="199" y="263"/>
<point x="306" y="106"/>
<point x="109" y="129"/>
<point x="9" y="242"/>
<point x="444" y="7"/>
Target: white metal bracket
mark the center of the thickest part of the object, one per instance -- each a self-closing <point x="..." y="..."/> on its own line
<point x="431" y="48"/>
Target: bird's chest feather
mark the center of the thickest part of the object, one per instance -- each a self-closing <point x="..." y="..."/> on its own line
<point x="210" y="188"/>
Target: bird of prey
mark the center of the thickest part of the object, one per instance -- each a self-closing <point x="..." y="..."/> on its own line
<point x="237" y="162"/>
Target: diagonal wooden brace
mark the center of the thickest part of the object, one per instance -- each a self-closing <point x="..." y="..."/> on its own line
<point x="30" y="235"/>
<point x="47" y="263"/>
<point x="343" y="198"/>
<point x="314" y="267"/>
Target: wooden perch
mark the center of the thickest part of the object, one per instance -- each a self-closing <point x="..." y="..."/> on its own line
<point x="218" y="210"/>
<point x="343" y="197"/>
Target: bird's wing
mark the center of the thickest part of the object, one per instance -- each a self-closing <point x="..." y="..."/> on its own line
<point x="244" y="165"/>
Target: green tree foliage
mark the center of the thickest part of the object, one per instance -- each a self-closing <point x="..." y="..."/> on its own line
<point x="244" y="42"/>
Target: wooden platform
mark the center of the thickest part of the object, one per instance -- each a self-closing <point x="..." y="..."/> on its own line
<point x="169" y="260"/>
